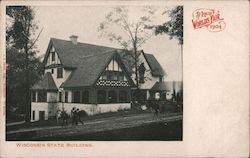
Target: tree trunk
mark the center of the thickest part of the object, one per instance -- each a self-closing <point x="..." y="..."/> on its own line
<point x="27" y="74"/>
<point x="136" y="68"/>
<point x="27" y="96"/>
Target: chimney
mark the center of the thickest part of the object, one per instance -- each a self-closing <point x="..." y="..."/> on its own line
<point x="73" y="39"/>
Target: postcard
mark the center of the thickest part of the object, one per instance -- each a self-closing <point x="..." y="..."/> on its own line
<point x="124" y="79"/>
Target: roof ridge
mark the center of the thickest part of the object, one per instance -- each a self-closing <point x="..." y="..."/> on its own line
<point x="108" y="51"/>
<point x="90" y="44"/>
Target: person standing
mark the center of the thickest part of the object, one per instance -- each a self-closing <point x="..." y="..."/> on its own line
<point x="78" y="113"/>
<point x="73" y="116"/>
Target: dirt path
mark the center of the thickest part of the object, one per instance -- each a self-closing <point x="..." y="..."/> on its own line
<point x="97" y="125"/>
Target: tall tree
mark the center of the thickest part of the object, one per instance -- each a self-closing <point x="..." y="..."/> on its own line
<point x="173" y="27"/>
<point x="129" y="33"/>
<point x="21" y="60"/>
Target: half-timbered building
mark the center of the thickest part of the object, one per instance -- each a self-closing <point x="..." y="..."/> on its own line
<point x="93" y="78"/>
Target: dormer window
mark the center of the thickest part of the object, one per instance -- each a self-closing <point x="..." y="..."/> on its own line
<point x="59" y="72"/>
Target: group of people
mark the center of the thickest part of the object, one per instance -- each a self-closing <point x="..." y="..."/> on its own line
<point x="76" y="116"/>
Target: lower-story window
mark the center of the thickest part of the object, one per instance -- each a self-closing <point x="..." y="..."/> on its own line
<point x="122" y="96"/>
<point x="60" y="96"/>
<point x="76" y="97"/>
<point x="33" y="115"/>
<point x="66" y="97"/>
<point x="112" y="97"/>
<point x="42" y="96"/>
<point x="101" y="96"/>
<point x="85" y="97"/>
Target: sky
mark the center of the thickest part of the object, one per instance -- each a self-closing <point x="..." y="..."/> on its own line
<point x="62" y="22"/>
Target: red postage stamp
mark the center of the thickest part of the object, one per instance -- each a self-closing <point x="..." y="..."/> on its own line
<point x="209" y="18"/>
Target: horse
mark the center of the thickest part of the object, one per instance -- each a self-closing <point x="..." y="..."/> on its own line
<point x="77" y="116"/>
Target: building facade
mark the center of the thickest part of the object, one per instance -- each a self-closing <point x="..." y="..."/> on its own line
<point x="93" y="78"/>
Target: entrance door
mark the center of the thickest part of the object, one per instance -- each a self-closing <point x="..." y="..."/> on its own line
<point x="41" y="115"/>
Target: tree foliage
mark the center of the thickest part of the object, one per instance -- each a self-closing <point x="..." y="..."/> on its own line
<point x="23" y="67"/>
<point x="173" y="27"/>
<point x="129" y="33"/>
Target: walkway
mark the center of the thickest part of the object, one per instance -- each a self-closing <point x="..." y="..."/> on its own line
<point x="105" y="124"/>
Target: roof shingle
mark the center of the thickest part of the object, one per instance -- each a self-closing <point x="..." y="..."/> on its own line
<point x="46" y="83"/>
<point x="88" y="70"/>
<point x="89" y="60"/>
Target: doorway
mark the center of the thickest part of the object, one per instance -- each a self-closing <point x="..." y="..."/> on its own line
<point x="41" y="115"/>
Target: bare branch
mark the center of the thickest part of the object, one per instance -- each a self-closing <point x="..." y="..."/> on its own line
<point x="32" y="44"/>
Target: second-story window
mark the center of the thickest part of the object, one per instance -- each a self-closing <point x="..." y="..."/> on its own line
<point x="53" y="56"/>
<point x="52" y="71"/>
<point x="59" y="72"/>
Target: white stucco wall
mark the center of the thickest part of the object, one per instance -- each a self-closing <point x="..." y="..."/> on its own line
<point x="49" y="59"/>
<point x="93" y="109"/>
<point x="59" y="81"/>
<point x="38" y="106"/>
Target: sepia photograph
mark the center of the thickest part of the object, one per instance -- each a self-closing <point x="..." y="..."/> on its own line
<point x="94" y="73"/>
<point x="124" y="78"/>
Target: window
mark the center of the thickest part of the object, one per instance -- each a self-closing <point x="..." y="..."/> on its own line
<point x="52" y="71"/>
<point x="42" y="96"/>
<point x="110" y="75"/>
<point x="60" y="72"/>
<point x="53" y="56"/>
<point x="76" y="97"/>
<point x="60" y="96"/>
<point x="33" y="96"/>
<point x="161" y="79"/>
<point x="104" y="76"/>
<point x="121" y="77"/>
<point x="122" y="96"/>
<point x="116" y="76"/>
<point x="163" y="96"/>
<point x="33" y="115"/>
<point x="112" y="97"/>
<point x="85" y="97"/>
<point x="101" y="96"/>
<point x="66" y="97"/>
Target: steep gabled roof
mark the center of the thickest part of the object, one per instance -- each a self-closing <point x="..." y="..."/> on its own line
<point x="167" y="86"/>
<point x="89" y="60"/>
<point x="46" y="83"/>
<point x="154" y="65"/>
<point x="88" y="70"/>
<point x="70" y="54"/>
